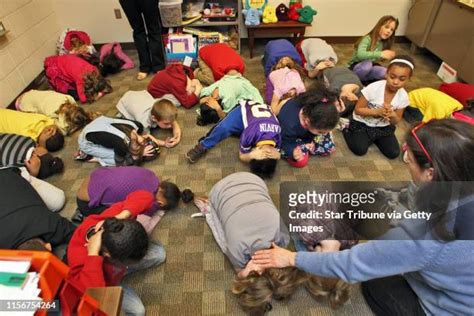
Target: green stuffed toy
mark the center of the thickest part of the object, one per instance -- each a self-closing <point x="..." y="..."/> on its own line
<point x="306" y="14"/>
<point x="269" y="15"/>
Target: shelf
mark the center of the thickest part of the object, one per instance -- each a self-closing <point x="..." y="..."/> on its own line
<point x="214" y="23"/>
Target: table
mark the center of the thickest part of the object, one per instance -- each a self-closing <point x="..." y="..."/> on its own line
<point x="289" y="27"/>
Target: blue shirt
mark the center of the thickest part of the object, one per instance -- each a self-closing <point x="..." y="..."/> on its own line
<point x="440" y="273"/>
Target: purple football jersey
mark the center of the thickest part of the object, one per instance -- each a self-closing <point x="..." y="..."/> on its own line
<point x="260" y="124"/>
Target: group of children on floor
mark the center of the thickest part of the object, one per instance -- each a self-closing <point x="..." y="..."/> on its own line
<point x="307" y="95"/>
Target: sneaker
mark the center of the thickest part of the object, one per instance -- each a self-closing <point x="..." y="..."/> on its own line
<point x="82" y="156"/>
<point x="197" y="152"/>
<point x="77" y="217"/>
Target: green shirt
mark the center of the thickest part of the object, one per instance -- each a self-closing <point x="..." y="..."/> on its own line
<point x="232" y="89"/>
<point x="363" y="51"/>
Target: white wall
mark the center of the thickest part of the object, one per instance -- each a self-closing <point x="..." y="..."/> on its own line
<point x="33" y="29"/>
<point x="96" y="17"/>
<point x="335" y="17"/>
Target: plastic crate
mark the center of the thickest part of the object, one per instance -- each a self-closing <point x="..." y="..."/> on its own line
<point x="51" y="270"/>
<point x="171" y="13"/>
<point x="178" y="58"/>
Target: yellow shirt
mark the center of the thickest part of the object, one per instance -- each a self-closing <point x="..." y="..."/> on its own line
<point x="433" y="104"/>
<point x="21" y="123"/>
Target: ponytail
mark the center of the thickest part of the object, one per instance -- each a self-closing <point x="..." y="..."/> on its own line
<point x="172" y="195"/>
<point x="318" y="105"/>
<point x="335" y="290"/>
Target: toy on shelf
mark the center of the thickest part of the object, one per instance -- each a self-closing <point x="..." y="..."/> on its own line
<point x="269" y="15"/>
<point x="216" y="12"/>
<point x="306" y="14"/>
<point x="255" y="4"/>
<point x="252" y="16"/>
<point x="282" y="12"/>
<point x="293" y="13"/>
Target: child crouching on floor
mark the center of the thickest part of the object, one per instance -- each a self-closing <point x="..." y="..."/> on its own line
<point x="222" y="96"/>
<point x="177" y="80"/>
<point x="106" y="186"/>
<point x="39" y="127"/>
<point x="116" y="142"/>
<point x="260" y="137"/>
<point x="286" y="80"/>
<point x="62" y="108"/>
<point x="73" y="75"/>
<point x="152" y="113"/>
<point x="306" y="124"/>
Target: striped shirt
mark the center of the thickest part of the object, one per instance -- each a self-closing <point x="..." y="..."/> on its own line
<point x="15" y="149"/>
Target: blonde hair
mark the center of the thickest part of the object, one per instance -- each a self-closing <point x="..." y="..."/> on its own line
<point x="335" y="290"/>
<point x="75" y="117"/>
<point x="164" y="110"/>
<point x="255" y="292"/>
<point x="374" y="33"/>
<point x="291" y="64"/>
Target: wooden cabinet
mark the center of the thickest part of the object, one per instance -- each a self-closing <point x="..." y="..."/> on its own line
<point x="451" y="33"/>
<point x="446" y="28"/>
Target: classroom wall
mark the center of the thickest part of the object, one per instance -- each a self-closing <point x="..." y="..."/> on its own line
<point x="33" y="30"/>
<point x="335" y="17"/>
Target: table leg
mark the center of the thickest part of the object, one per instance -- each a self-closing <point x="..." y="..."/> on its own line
<point x="251" y="42"/>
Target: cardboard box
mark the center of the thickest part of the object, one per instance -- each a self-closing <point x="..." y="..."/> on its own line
<point x="109" y="298"/>
<point x="447" y="73"/>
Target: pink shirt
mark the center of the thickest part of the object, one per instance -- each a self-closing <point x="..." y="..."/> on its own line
<point x="107" y="48"/>
<point x="284" y="80"/>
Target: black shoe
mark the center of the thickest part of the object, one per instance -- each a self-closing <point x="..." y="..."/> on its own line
<point x="77" y="217"/>
<point x="197" y="152"/>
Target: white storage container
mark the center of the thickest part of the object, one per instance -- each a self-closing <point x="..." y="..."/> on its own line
<point x="171" y="13"/>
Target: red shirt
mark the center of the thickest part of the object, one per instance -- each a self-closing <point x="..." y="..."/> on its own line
<point x="73" y="69"/>
<point x="173" y="79"/>
<point x="95" y="271"/>
<point x="221" y="58"/>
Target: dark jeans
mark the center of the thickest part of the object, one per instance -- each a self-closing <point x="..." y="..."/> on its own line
<point x="148" y="41"/>
<point x="84" y="209"/>
<point x="360" y="138"/>
<point x="391" y="296"/>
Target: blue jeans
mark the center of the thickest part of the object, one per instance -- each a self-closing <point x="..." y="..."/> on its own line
<point x="230" y="125"/>
<point x="131" y="302"/>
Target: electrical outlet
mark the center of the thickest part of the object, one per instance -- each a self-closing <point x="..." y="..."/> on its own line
<point x="118" y="13"/>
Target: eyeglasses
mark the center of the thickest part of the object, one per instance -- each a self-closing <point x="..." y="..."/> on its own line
<point x="418" y="141"/>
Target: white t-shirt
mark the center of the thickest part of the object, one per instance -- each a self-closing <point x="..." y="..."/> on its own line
<point x="374" y="93"/>
<point x="136" y="105"/>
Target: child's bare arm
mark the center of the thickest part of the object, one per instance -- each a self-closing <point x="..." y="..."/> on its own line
<point x="362" y="108"/>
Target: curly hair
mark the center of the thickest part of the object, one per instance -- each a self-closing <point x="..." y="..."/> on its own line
<point x="255" y="292"/>
<point x="337" y="291"/>
<point x="94" y="84"/>
<point x="124" y="239"/>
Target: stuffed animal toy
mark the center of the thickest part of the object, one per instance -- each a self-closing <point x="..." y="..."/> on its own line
<point x="269" y="15"/>
<point x="282" y="12"/>
<point x="252" y="16"/>
<point x="306" y="14"/>
<point x="293" y="14"/>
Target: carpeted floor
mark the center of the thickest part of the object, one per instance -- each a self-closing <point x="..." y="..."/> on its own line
<point x="196" y="277"/>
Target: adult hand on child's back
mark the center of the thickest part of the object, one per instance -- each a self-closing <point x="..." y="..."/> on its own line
<point x="275" y="257"/>
<point x="388" y="54"/>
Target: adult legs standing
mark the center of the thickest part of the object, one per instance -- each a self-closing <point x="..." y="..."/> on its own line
<point x="155" y="42"/>
<point x="149" y="46"/>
